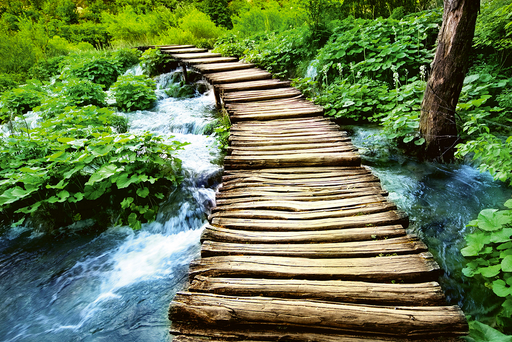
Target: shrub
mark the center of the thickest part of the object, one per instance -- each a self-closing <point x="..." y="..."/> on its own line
<point x="489" y="249"/>
<point x="75" y="167"/>
<point x="83" y="93"/>
<point x="46" y="69"/>
<point x="126" y="58"/>
<point x="134" y="92"/>
<point x="154" y="62"/>
<point x="22" y="100"/>
<point x="102" y="70"/>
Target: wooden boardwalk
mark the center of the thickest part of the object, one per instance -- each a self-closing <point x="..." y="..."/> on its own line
<point x="303" y="244"/>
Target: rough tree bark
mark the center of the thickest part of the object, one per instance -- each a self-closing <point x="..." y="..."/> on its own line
<point x="437" y="121"/>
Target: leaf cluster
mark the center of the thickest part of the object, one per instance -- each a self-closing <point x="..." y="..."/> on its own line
<point x="489" y="250"/>
<point x="134" y="92"/>
<point x="75" y="166"/>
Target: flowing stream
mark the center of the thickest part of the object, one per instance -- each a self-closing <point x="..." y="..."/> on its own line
<point x="115" y="285"/>
<point x="440" y="200"/>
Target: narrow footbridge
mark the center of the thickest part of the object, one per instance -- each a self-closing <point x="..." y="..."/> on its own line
<point x="303" y="244"/>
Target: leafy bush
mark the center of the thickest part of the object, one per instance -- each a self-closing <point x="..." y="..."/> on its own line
<point x="8" y="81"/>
<point x="361" y="100"/>
<point x="46" y="69"/>
<point x="75" y="167"/>
<point x="22" y="100"/>
<point x="379" y="48"/>
<point x="180" y="90"/>
<point x="126" y="58"/>
<point x="493" y="29"/>
<point x="134" y="92"/>
<point x="154" y="62"/>
<point x="82" y="93"/>
<point x="489" y="248"/>
<point x="102" y="70"/>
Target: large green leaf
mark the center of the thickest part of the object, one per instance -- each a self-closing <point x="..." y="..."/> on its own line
<point x="103" y="172"/>
<point x="490" y="271"/>
<point x="506" y="264"/>
<point x="13" y="194"/>
<point x="501" y="289"/>
<point x="492" y="219"/>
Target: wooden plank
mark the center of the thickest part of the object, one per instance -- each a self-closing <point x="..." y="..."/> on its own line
<point x="186" y="56"/>
<point x="252" y="85"/>
<point x="392" y="246"/>
<point x="211" y="309"/>
<point x="416" y="294"/>
<point x="272" y="142"/>
<point x="261" y="95"/>
<point x="290" y="150"/>
<point x="183" y="50"/>
<point x="218" y="67"/>
<point x="336" y="235"/>
<point x="270" y="196"/>
<point x="297" y="206"/>
<point x="174" y="47"/>
<point x="189" y="332"/>
<point x="256" y="181"/>
<point x="413" y="267"/>
<point x="377" y="219"/>
<point x="276" y="174"/>
<point x="361" y="209"/>
<point x="238" y="76"/>
<point x="306" y="159"/>
<point x="208" y="60"/>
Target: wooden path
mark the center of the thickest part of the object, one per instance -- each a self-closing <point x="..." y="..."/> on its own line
<point x="303" y="244"/>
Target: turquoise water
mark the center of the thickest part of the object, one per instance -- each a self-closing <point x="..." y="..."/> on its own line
<point x="440" y="200"/>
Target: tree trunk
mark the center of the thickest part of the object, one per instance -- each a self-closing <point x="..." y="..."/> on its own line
<point x="437" y="122"/>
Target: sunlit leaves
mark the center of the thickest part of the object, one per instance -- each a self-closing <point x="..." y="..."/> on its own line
<point x="489" y="250"/>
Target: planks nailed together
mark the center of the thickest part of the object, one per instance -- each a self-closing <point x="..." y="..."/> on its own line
<point x="303" y="244"/>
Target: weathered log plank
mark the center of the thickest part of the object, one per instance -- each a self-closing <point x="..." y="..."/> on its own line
<point x="361" y="209"/>
<point x="393" y="246"/>
<point x="272" y="174"/>
<point x="273" y="142"/>
<point x="398" y="321"/>
<point x="310" y="197"/>
<point x="283" y="149"/>
<point x="306" y="159"/>
<point x="184" y="50"/>
<point x="208" y="60"/>
<point x="336" y="235"/>
<point x="186" y="56"/>
<point x="252" y="85"/>
<point x="378" y="219"/>
<point x="220" y="67"/>
<point x="296" y="206"/>
<point x="238" y="76"/>
<point x="416" y="294"/>
<point x="260" y="95"/>
<point x="413" y="267"/>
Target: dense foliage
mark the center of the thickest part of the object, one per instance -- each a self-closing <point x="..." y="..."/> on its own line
<point x="77" y="162"/>
<point x="134" y="92"/>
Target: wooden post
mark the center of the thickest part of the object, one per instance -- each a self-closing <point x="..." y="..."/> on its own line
<point x="185" y="76"/>
<point x="218" y="100"/>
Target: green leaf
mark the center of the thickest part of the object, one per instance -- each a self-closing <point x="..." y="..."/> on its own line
<point x="76" y="197"/>
<point x="490" y="271"/>
<point x="103" y="172"/>
<point x="500" y="288"/>
<point x="13" y="194"/>
<point x="484" y="333"/>
<point x="508" y="204"/>
<point x="502" y="235"/>
<point x="133" y="222"/>
<point x="491" y="219"/>
<point x="123" y="181"/>
<point x="506" y="264"/>
<point x="126" y="202"/>
<point x="144" y="192"/>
